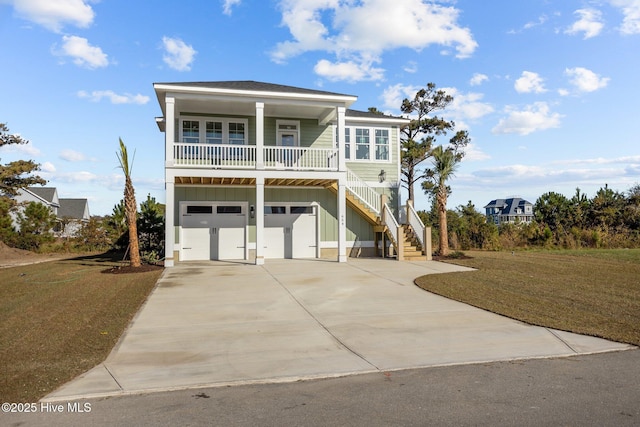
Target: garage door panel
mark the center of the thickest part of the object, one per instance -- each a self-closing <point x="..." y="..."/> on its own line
<point x="196" y="244"/>
<point x="304" y="236"/>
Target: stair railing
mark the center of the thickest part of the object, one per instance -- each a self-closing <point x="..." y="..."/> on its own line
<point x="416" y="224"/>
<point x="359" y="188"/>
<point x="395" y="230"/>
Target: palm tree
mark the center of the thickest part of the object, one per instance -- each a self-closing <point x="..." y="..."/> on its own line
<point x="130" y="206"/>
<point x="445" y="163"/>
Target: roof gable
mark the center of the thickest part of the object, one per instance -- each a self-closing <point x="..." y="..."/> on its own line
<point x="73" y="208"/>
<point x="48" y="194"/>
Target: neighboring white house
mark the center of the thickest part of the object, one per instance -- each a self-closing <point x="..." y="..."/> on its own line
<point x="511" y="210"/>
<point x="258" y="170"/>
<point x="71" y="213"/>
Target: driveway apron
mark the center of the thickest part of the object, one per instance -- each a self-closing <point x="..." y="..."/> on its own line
<point x="221" y="323"/>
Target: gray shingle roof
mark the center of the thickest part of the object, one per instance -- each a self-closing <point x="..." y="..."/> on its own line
<point x="368" y="114"/>
<point x="72" y="208"/>
<point x="46" y="193"/>
<point x="250" y="85"/>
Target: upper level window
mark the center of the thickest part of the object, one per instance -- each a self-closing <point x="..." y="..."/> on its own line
<point x="382" y="144"/>
<point x="214" y="131"/>
<point x="362" y="144"/>
<point x="366" y="143"/>
<point x="191" y="131"/>
<point x="347" y="142"/>
<point x="236" y="133"/>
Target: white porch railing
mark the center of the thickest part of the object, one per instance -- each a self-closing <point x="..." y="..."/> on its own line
<point x="365" y="193"/>
<point x="416" y="224"/>
<point x="210" y="155"/>
<point x="301" y="158"/>
<point x="244" y="157"/>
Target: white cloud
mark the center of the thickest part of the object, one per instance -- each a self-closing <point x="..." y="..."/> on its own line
<point x="466" y="106"/>
<point x="394" y="95"/>
<point x="48" y="167"/>
<point x="227" y="5"/>
<point x="411" y="67"/>
<point x="631" y="10"/>
<point x="359" y="32"/>
<point x="351" y="71"/>
<point x="530" y="82"/>
<point x="72" y="156"/>
<point x="126" y="98"/>
<point x="83" y="54"/>
<point x="590" y="23"/>
<point x="474" y="154"/>
<point x="531" y="24"/>
<point x="478" y="79"/>
<point x="533" y="118"/>
<point x="54" y="14"/>
<point x="178" y="55"/>
<point x="29" y="149"/>
<point x="586" y="80"/>
<point x="541" y="20"/>
<point x="77" y="177"/>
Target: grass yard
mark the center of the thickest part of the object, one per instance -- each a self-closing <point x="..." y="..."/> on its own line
<point x="592" y="292"/>
<point x="60" y="318"/>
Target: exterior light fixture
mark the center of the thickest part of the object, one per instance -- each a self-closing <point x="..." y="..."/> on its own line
<point x="382" y="176"/>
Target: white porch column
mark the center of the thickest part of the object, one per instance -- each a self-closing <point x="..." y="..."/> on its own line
<point x="259" y="135"/>
<point x="169" y="139"/>
<point x="169" y="130"/>
<point x="342" y="220"/>
<point x="259" y="221"/>
<point x="169" y="227"/>
<point x="341" y="140"/>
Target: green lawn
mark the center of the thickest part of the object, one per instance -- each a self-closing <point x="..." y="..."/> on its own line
<point x="592" y="292"/>
<point x="61" y="318"/>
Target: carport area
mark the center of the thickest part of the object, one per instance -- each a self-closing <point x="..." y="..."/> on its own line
<point x="221" y="323"/>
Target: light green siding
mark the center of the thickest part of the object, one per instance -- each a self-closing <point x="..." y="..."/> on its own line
<point x="368" y="171"/>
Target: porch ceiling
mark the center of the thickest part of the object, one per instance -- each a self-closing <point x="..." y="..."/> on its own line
<point x="268" y="182"/>
<point x="299" y="109"/>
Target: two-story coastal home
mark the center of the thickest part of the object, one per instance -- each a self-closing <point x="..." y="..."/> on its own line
<point x="257" y="170"/>
<point x="510" y="210"/>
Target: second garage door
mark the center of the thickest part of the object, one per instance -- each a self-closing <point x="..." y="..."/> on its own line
<point x="290" y="231"/>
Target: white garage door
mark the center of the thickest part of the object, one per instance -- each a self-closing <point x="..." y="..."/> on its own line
<point x="290" y="231"/>
<point x="304" y="231"/>
<point x="213" y="232"/>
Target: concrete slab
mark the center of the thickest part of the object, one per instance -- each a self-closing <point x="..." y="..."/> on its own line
<point x="216" y="323"/>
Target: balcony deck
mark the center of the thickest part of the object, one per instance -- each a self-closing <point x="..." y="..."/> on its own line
<point x="245" y="157"/>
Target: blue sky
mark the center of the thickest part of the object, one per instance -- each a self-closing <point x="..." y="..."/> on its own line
<point x="548" y="90"/>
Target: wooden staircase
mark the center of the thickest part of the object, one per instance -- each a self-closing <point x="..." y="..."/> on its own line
<point x="411" y="245"/>
<point x="411" y="248"/>
<point x="356" y="204"/>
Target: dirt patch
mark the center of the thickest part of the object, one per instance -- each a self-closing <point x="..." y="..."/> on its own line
<point x="12" y="257"/>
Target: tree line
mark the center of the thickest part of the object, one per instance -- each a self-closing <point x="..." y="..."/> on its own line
<point x="609" y="219"/>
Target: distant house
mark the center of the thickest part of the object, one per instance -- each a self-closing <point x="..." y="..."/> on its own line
<point x="71" y="213"/>
<point x="511" y="210"/>
<point x="48" y="196"/>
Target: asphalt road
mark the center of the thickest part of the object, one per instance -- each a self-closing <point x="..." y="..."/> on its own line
<point x="593" y="390"/>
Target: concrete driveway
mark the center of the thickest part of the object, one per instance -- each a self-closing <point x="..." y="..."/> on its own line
<point x="220" y="323"/>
